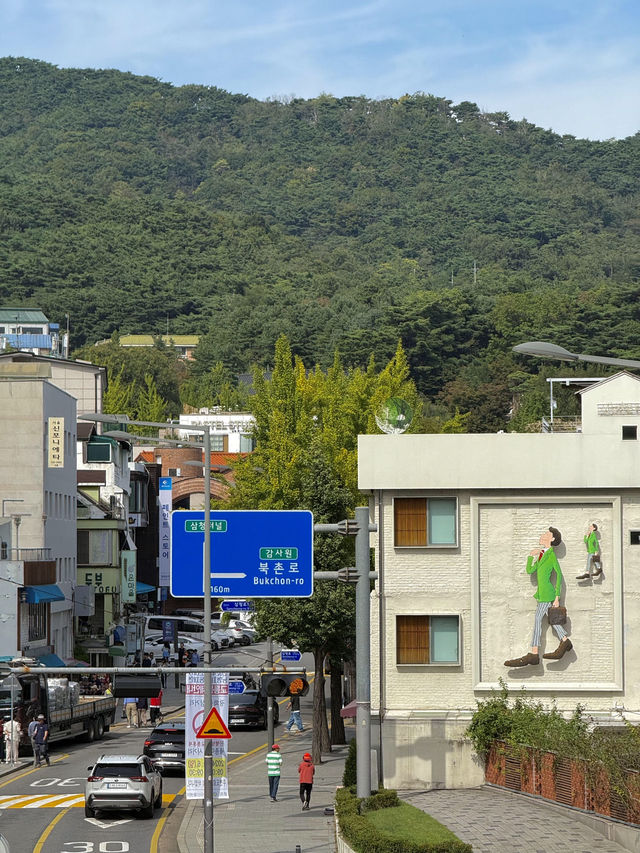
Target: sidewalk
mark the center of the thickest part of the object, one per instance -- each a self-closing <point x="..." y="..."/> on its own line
<point x="493" y="820"/>
<point x="250" y="823"/>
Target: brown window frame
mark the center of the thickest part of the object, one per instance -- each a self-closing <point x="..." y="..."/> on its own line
<point x="417" y="535"/>
<point x="414" y="640"/>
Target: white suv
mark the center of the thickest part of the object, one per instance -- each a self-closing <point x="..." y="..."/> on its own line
<point x="127" y="782"/>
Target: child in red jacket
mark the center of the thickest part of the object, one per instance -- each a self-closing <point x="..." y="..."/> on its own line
<point x="306" y="771"/>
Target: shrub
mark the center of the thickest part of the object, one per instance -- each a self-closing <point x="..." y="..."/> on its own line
<point x="364" y="837"/>
<point x="349" y="776"/>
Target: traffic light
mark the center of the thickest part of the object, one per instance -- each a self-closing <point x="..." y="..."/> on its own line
<point x="284" y="684"/>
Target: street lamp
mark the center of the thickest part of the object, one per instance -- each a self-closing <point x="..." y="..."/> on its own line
<point x="206" y="580"/>
<point x="542" y="349"/>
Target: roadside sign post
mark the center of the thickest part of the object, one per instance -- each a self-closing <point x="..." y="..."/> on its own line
<point x="290" y="655"/>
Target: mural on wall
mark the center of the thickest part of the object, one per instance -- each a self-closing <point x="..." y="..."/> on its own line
<point x="544" y="563"/>
<point x="594" y="561"/>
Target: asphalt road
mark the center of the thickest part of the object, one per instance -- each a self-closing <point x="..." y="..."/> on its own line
<point x="42" y="809"/>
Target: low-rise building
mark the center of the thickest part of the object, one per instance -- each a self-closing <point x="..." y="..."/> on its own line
<point x="463" y="526"/>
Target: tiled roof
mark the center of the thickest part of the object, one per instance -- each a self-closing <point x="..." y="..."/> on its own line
<point x="217" y="457"/>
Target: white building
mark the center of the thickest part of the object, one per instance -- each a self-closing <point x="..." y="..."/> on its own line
<point x="231" y="432"/>
<point x="457" y="517"/>
<point x="29" y="330"/>
<point x="38" y="494"/>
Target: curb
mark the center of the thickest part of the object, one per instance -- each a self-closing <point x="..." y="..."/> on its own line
<point x="185" y="828"/>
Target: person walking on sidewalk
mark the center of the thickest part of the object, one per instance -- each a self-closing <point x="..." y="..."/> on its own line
<point x="41" y="739"/>
<point x="12" y="732"/>
<point x="131" y="712"/>
<point x="142" y="704"/>
<point x="294" y="717"/>
<point x="155" y="704"/>
<point x="305" y="772"/>
<point x="31" y="732"/>
<point x="274" y="764"/>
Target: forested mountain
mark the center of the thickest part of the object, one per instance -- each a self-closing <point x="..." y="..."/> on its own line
<point x="344" y="223"/>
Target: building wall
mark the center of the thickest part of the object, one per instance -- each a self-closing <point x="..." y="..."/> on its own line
<point x="47" y="495"/>
<point x="420" y="711"/>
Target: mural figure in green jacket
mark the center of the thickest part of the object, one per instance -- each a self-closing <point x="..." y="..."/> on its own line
<point x="594" y="565"/>
<point x="544" y="563"/>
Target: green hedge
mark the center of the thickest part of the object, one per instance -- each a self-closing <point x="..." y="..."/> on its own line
<point x="363" y="837"/>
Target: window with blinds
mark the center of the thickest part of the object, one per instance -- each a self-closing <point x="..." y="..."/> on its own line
<point x="424" y="522"/>
<point x="422" y="639"/>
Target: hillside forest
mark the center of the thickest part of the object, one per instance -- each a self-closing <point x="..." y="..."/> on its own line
<point x="345" y="224"/>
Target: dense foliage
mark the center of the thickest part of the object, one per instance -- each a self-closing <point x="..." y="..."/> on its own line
<point x="522" y="723"/>
<point x="344" y="223"/>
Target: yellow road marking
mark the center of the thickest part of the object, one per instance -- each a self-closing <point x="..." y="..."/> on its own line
<point x="48" y="831"/>
<point x="155" y="838"/>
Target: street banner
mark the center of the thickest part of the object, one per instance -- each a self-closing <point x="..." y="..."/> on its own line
<point x="165" y="495"/>
<point x="128" y="566"/>
<point x="195" y="746"/>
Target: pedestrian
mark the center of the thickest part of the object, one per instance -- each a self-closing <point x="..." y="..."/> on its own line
<point x="131" y="711"/>
<point x="274" y="763"/>
<point x="163" y="673"/>
<point x="166" y="654"/>
<point x="31" y="732"/>
<point x="147" y="660"/>
<point x="182" y="655"/>
<point x="41" y="739"/>
<point x="194" y="658"/>
<point x="12" y="732"/>
<point x="305" y="772"/>
<point x="155" y="703"/>
<point x="142" y="705"/>
<point x="295" y="717"/>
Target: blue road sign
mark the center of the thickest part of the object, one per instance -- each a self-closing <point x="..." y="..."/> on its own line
<point x="235" y="605"/>
<point x="290" y="655"/>
<point x="236" y="687"/>
<point x="254" y="553"/>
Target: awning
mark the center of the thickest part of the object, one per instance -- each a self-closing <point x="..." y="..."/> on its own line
<point x="348" y="710"/>
<point x="47" y="592"/>
<point x="50" y="660"/>
<point x="143" y="588"/>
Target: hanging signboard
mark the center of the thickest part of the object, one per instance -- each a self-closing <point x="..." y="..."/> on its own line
<point x="164" y="530"/>
<point x="128" y="560"/>
<point x="56" y="442"/>
<point x="195" y="745"/>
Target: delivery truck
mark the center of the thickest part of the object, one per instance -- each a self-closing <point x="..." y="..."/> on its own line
<point x="57" y="697"/>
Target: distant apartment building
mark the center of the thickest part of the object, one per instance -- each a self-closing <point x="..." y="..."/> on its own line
<point x="28" y="330"/>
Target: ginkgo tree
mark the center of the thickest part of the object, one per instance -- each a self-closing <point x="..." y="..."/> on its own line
<point x="307" y="424"/>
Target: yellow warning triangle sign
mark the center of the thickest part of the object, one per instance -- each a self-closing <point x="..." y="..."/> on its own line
<point x="214" y="727"/>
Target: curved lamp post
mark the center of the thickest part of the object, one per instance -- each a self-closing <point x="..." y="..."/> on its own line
<point x="542" y="349"/>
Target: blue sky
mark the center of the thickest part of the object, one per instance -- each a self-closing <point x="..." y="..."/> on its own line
<point x="569" y="65"/>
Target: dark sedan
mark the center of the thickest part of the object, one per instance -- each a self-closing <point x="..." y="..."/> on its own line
<point x="165" y="746"/>
<point x="250" y="709"/>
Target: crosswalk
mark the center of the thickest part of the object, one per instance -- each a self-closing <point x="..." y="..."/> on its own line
<point x="53" y="801"/>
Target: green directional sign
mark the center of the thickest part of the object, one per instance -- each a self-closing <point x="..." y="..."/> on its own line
<point x="215" y="525"/>
<point x="278" y="553"/>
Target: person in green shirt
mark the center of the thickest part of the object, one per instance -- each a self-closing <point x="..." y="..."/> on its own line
<point x="274" y="763"/>
<point x="544" y="563"/>
<point x="593" y="554"/>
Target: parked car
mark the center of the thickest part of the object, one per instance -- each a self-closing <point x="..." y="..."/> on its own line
<point x="165" y="746"/>
<point x="250" y="709"/>
<point x="247" y="629"/>
<point x="154" y="644"/>
<point x="123" y="783"/>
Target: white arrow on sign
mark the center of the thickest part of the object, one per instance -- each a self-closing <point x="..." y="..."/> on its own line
<point x="228" y="575"/>
<point x="106" y="824"/>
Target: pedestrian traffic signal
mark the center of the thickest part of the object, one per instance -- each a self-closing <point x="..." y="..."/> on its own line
<point x="284" y="684"/>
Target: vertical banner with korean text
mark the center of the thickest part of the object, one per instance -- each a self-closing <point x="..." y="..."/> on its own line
<point x="164" y="527"/>
<point x="128" y="566"/>
<point x="56" y="443"/>
<point x="194" y="746"/>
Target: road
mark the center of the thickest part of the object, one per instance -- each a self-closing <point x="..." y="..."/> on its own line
<point x="42" y="809"/>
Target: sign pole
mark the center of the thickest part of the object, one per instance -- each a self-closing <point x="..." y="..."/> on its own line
<point x="206" y="580"/>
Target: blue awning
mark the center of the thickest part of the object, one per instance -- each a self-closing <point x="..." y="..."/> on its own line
<point x="143" y="588"/>
<point x="51" y="660"/>
<point x="44" y="593"/>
